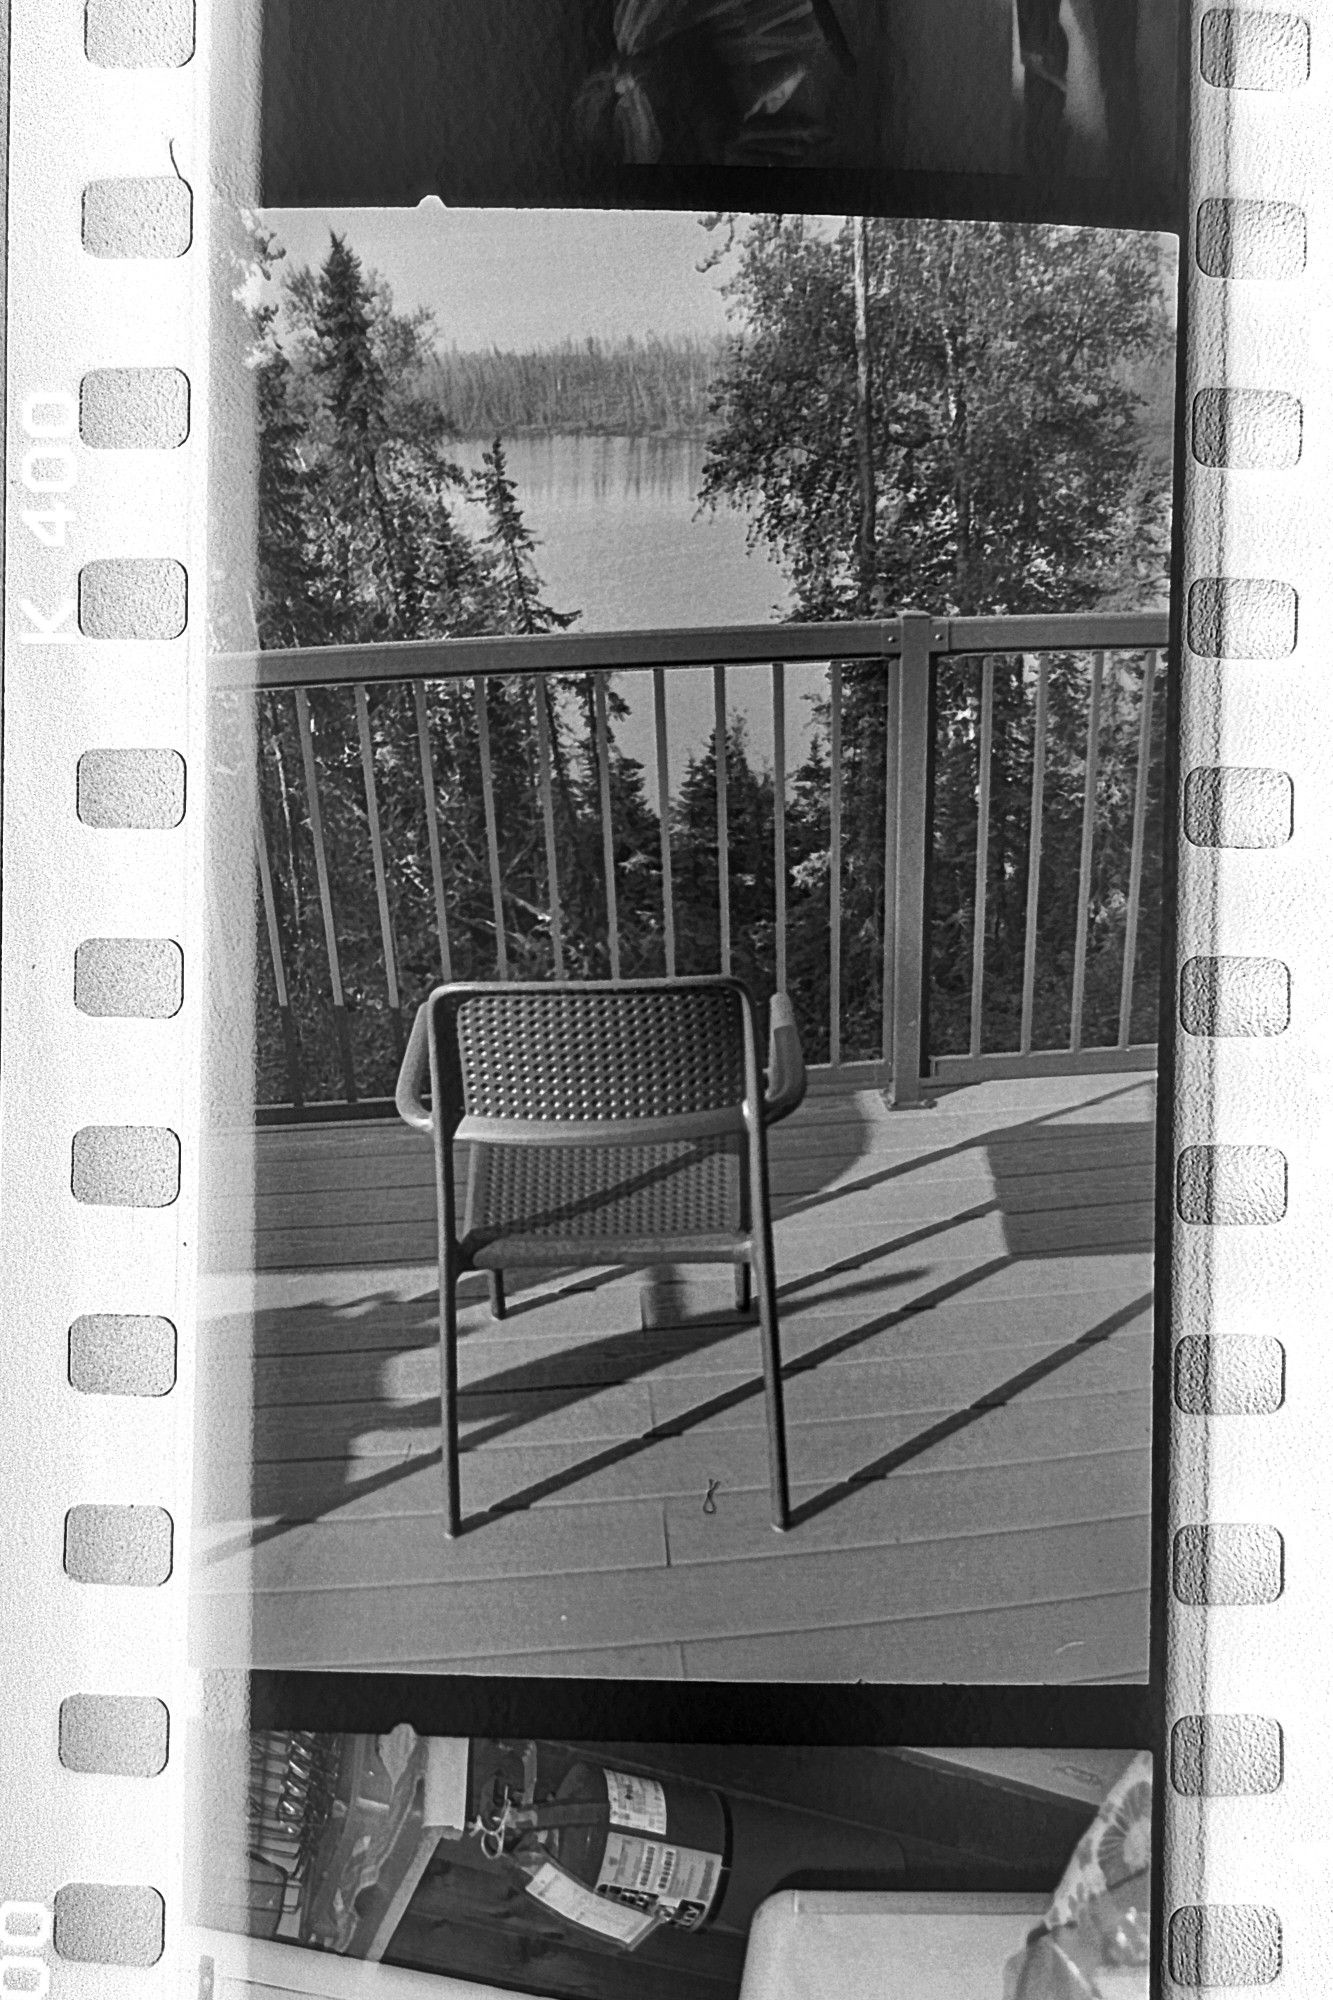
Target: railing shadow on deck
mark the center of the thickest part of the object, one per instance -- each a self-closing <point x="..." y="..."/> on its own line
<point x="1056" y="1224"/>
<point x="983" y="1406"/>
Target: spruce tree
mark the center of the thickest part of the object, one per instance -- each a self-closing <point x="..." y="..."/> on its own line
<point x="513" y="547"/>
<point x="364" y="536"/>
<point x="695" y="853"/>
<point x="354" y="388"/>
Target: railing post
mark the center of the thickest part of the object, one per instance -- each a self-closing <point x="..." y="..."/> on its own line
<point x="909" y="889"/>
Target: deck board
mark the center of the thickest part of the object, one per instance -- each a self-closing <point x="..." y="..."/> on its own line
<point x="591" y="1404"/>
<point x="608" y="1353"/>
<point x="399" y="1313"/>
<point x="1101" y="1637"/>
<point x="729" y="1598"/>
<point x="966" y="1333"/>
<point x="1033" y="1437"/>
<point x="1096" y="1640"/>
<point x="408" y="1551"/>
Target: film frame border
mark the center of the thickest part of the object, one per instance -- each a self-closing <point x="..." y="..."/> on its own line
<point x="1254" y="197"/>
<point x="106" y="391"/>
<point x="1239" y="1883"/>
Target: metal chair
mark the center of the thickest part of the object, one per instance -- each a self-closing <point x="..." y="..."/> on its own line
<point x="608" y="1124"/>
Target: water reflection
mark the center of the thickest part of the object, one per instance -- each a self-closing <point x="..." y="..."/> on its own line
<point x="622" y="539"/>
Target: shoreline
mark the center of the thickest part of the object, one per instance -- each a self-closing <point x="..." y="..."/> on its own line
<point x="690" y="435"/>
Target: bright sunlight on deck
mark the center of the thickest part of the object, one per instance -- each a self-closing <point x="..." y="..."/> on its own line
<point x="966" y="1296"/>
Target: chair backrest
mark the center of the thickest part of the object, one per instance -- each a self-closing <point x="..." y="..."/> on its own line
<point x="568" y="1052"/>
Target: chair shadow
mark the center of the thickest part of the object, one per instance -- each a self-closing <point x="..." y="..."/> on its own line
<point x="1061" y="1212"/>
<point x="490" y="1409"/>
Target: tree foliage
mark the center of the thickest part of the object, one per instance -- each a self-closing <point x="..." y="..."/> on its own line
<point x="1005" y="421"/>
<point x="1017" y="397"/>
<point x="998" y="449"/>
<point x="363" y="538"/>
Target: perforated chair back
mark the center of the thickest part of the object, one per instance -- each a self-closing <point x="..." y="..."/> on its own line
<point x="596" y="1053"/>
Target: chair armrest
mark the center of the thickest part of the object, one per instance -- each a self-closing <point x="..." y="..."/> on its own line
<point x="414" y="1071"/>
<point x="784" y="1086"/>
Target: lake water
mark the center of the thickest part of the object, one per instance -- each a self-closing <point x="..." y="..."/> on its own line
<point x="622" y="541"/>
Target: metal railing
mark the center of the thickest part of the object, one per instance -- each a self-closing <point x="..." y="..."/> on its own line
<point x="887" y="684"/>
<point x="1134" y="766"/>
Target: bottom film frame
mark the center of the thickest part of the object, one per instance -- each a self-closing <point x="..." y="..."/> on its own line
<point x="108" y="277"/>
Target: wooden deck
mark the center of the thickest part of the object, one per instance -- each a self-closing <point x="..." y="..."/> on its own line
<point x="966" y="1295"/>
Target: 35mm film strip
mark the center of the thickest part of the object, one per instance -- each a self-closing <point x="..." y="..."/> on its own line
<point x="107" y="328"/>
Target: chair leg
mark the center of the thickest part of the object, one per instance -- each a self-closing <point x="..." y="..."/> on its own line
<point x="742" y="1277"/>
<point x="497" y="1285"/>
<point x="772" y="1354"/>
<point x="449" y="1404"/>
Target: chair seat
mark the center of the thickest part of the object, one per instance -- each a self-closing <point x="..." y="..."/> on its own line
<point x="632" y="1204"/>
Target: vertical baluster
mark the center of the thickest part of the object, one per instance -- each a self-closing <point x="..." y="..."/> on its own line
<point x="432" y="828"/>
<point x="1034" y="855"/>
<point x="539" y="696"/>
<point x="888" y="941"/>
<point x="723" y="827"/>
<point x="780" y="820"/>
<point x="377" y="858"/>
<point x="488" y="809"/>
<point x="664" y="817"/>
<point x="911" y="941"/>
<point x="1085" y="852"/>
<point x="305" y="725"/>
<point x="983" y="847"/>
<point x="1136" y="848"/>
<point x="603" y="746"/>
<point x="835" y="865"/>
<point x="291" y="1047"/>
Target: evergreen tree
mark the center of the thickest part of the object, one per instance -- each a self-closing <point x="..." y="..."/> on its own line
<point x="352" y="386"/>
<point x="695" y="869"/>
<point x="513" y="547"/>
<point x="364" y="537"/>
<point x="289" y="593"/>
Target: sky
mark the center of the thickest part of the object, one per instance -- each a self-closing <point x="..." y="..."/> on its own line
<point x="524" y="278"/>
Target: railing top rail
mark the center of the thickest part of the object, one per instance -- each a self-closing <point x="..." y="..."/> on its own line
<point x="678" y="646"/>
<point x="1054" y="632"/>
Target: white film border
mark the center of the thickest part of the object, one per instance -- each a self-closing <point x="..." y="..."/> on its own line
<point x="1246" y="1870"/>
<point x="107" y="331"/>
<point x="107" y="338"/>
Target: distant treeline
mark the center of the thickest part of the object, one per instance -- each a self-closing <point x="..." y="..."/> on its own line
<point x="627" y="388"/>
